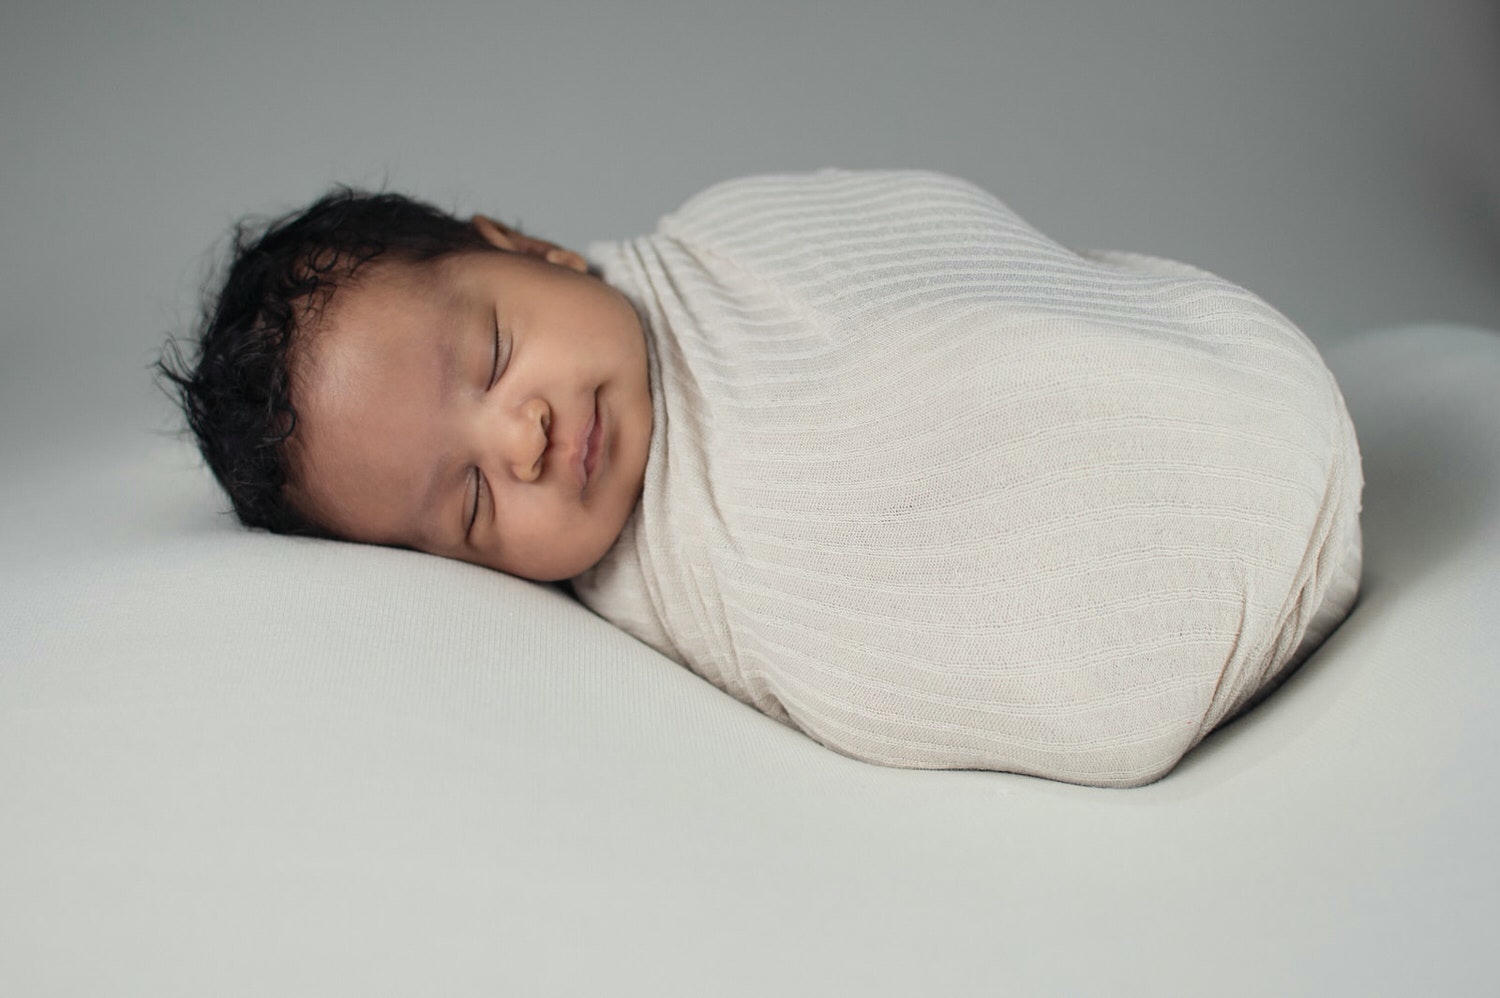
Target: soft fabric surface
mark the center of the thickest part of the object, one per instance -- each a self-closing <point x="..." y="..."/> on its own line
<point x="942" y="493"/>
<point x="240" y="764"/>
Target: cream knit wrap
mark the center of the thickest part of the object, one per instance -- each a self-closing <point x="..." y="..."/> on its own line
<point x="942" y="493"/>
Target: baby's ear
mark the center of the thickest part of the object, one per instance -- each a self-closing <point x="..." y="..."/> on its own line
<point x="496" y="234"/>
<point x="502" y="237"/>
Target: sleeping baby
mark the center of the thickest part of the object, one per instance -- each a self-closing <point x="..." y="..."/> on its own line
<point x="862" y="448"/>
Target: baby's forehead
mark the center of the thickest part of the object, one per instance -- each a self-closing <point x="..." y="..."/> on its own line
<point x="370" y="373"/>
<point x="394" y="282"/>
<point x="377" y="294"/>
<point x="358" y="319"/>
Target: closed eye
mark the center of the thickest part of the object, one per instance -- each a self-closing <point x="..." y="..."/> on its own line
<point x="478" y="478"/>
<point x="474" y="516"/>
<point x="495" y="367"/>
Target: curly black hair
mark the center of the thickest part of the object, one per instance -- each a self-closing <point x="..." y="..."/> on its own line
<point x="236" y="393"/>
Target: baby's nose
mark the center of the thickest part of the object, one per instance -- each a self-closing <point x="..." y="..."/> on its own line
<point x="534" y="442"/>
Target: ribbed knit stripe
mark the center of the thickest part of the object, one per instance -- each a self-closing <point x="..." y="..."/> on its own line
<point x="942" y="493"/>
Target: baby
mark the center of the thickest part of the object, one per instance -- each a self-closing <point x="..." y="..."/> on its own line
<point x="862" y="448"/>
<point x="376" y="370"/>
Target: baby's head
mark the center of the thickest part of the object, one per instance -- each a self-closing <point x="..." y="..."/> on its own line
<point x="373" y="369"/>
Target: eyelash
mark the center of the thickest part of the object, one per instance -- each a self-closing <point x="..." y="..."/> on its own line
<point x="478" y="478"/>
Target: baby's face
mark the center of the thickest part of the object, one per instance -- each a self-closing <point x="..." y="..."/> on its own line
<point x="412" y="432"/>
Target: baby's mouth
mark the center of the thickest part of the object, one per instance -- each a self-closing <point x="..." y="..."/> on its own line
<point x="588" y="453"/>
<point x="596" y="441"/>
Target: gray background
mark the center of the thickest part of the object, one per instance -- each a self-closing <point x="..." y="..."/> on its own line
<point x="1339" y="157"/>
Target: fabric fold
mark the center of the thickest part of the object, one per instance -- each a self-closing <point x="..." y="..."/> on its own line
<point x="942" y="493"/>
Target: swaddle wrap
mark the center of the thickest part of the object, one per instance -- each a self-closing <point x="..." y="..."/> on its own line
<point x="942" y="493"/>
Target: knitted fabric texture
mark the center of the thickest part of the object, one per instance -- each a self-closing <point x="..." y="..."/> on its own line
<point x="942" y="493"/>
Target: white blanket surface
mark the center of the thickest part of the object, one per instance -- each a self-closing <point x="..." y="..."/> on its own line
<point x="942" y="493"/>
